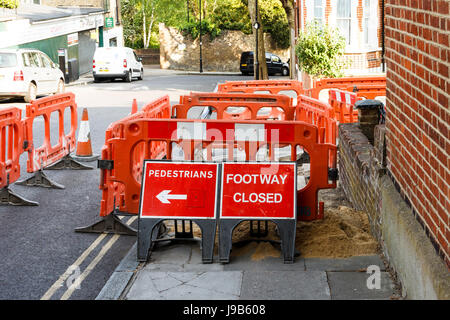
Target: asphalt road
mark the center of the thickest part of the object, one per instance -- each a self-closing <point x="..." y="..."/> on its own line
<point x="40" y="253"/>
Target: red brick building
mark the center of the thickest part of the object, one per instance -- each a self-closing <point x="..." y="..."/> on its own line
<point x="418" y="113"/>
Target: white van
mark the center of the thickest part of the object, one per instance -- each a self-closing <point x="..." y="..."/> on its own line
<point x="28" y="73"/>
<point x="117" y="62"/>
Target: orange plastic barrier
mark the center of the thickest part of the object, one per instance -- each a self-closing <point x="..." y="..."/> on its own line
<point x="121" y="190"/>
<point x="320" y="114"/>
<point x="39" y="158"/>
<point x="342" y="102"/>
<point x="343" y="84"/>
<point x="253" y="103"/>
<point x="368" y="91"/>
<point x="273" y="86"/>
<point x="159" y="108"/>
<point x="11" y="145"/>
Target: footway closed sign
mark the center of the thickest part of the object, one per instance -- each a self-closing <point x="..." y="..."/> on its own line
<point x="190" y="190"/>
<point x="260" y="190"/>
<point x="185" y="190"/>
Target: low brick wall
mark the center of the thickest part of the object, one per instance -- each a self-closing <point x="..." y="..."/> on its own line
<point x="360" y="170"/>
<point x="364" y="179"/>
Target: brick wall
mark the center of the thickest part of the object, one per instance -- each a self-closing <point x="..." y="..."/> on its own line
<point x="418" y="115"/>
<point x="360" y="165"/>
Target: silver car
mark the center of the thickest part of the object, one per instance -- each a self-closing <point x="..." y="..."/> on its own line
<point x="28" y="73"/>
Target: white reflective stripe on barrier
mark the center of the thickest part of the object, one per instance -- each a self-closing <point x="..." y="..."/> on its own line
<point x="249" y="132"/>
<point x="191" y="131"/>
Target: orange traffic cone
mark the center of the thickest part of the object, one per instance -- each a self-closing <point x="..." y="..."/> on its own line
<point x="84" y="147"/>
<point x="134" y="107"/>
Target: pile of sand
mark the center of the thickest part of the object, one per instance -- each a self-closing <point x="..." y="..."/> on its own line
<point x="344" y="232"/>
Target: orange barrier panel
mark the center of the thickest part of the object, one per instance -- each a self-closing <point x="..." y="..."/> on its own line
<point x="253" y="103"/>
<point x="343" y="84"/>
<point x="368" y="91"/>
<point x="320" y="114"/>
<point x="273" y="86"/>
<point x="11" y="145"/>
<point x="39" y="158"/>
<point x="159" y="108"/>
<point x="122" y="190"/>
<point x="342" y="102"/>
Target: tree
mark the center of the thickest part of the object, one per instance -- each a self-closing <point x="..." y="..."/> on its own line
<point x="261" y="67"/>
<point x="141" y="18"/>
<point x="288" y="6"/>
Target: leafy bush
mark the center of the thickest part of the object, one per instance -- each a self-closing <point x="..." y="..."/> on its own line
<point x="318" y="50"/>
<point x="207" y="27"/>
<point x="9" y="4"/>
<point x="274" y="20"/>
<point x="232" y="15"/>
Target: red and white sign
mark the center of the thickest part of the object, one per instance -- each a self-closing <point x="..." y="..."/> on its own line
<point x="260" y="190"/>
<point x="184" y="190"/>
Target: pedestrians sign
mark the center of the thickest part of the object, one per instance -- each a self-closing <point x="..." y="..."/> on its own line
<point x="183" y="190"/>
<point x="179" y="191"/>
<point x="260" y="190"/>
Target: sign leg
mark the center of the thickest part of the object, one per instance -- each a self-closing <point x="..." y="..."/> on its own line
<point x="226" y="227"/>
<point x="208" y="236"/>
<point x="287" y="230"/>
<point x="145" y="237"/>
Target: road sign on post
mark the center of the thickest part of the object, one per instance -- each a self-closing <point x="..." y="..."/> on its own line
<point x="178" y="191"/>
<point x="258" y="191"/>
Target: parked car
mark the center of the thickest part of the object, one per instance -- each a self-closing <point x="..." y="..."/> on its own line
<point x="274" y="64"/>
<point x="28" y="73"/>
<point x="117" y="62"/>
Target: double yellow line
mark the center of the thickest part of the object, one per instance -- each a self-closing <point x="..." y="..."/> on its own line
<point x="69" y="271"/>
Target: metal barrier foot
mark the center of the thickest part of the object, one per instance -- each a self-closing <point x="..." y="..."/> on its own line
<point x="68" y="163"/>
<point x="40" y="179"/>
<point x="259" y="233"/>
<point x="109" y="224"/>
<point x="9" y="197"/>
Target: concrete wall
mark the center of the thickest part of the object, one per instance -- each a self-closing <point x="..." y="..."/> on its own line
<point x="364" y="179"/>
<point x="221" y="54"/>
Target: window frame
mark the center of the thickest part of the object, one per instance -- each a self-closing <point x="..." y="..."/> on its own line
<point x="349" y="19"/>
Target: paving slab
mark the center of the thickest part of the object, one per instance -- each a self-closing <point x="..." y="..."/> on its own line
<point x="286" y="285"/>
<point x="154" y="285"/>
<point x="353" y="286"/>
<point x="356" y="263"/>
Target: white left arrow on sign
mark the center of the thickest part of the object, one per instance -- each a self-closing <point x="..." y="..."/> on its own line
<point x="164" y="196"/>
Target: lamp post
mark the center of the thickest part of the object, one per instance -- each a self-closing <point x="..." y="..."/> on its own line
<point x="201" y="62"/>
<point x="256" y="26"/>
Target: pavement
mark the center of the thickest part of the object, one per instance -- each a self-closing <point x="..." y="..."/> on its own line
<point x="175" y="271"/>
